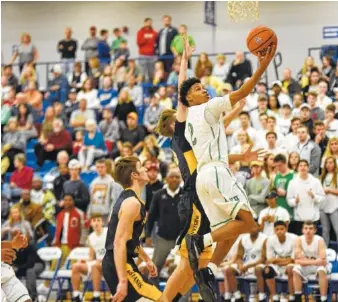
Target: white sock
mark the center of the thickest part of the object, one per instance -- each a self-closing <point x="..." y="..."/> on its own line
<point x="213" y="268"/>
<point x="237" y="294"/>
<point x="261" y="296"/>
<point x="323" y="298"/>
<point x="96" y="294"/>
<point x="207" y="240"/>
<point x="227" y="296"/>
<point x="275" y="298"/>
<point x="291" y="298"/>
<point x="76" y="293"/>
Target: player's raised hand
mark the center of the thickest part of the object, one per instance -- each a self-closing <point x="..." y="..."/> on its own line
<point x="152" y="268"/>
<point x="265" y="60"/>
<point x="121" y="291"/>
<point x="19" y="241"/>
<point x="250" y="155"/>
<point x="8" y="255"/>
<point x="187" y="48"/>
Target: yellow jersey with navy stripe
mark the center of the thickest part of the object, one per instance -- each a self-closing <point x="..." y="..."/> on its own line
<point x="133" y="244"/>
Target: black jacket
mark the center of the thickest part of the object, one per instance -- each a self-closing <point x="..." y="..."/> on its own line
<point x="172" y="32"/>
<point x="164" y="210"/>
<point x="25" y="259"/>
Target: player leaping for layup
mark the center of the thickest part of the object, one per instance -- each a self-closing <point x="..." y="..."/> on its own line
<point x="223" y="198"/>
<point x="172" y="124"/>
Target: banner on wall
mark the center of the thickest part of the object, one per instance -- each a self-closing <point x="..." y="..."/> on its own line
<point x="210" y="13"/>
<point x="330" y="32"/>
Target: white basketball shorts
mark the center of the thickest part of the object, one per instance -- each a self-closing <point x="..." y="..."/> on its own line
<point x="221" y="195"/>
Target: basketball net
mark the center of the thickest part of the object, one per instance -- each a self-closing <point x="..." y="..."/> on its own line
<point x="243" y="10"/>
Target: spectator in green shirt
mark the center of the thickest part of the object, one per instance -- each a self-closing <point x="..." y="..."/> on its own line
<point x="118" y="39"/>
<point x="281" y="183"/>
<point x="177" y="44"/>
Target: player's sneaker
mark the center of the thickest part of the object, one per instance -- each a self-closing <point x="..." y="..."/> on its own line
<point x="195" y="247"/>
<point x="207" y="284"/>
<point x="76" y="299"/>
<point x="96" y="299"/>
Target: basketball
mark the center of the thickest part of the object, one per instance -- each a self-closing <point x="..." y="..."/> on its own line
<point x="259" y="39"/>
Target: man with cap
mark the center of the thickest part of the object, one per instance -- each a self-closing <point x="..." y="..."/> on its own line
<point x="90" y="47"/>
<point x="289" y="84"/>
<point x="262" y="107"/>
<point x="164" y="210"/>
<point x="58" y="86"/>
<point x="257" y="187"/>
<point x="282" y="97"/>
<point x="76" y="187"/>
<point x="271" y="214"/>
<point x="305" y="117"/>
<point x="133" y="133"/>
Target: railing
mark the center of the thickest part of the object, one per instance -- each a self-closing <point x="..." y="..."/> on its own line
<point x="43" y="69"/>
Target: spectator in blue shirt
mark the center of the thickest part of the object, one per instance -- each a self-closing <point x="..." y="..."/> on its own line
<point x="58" y="87"/>
<point x="107" y="95"/>
<point x="93" y="145"/>
<point x="104" y="49"/>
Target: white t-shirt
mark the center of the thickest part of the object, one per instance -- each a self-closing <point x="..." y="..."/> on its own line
<point x="332" y="130"/>
<point x="97" y="242"/>
<point x="284" y="125"/>
<point x="205" y="131"/>
<point x="252" y="250"/>
<point x="323" y="101"/>
<point x="279" y="213"/>
<point x="64" y="239"/>
<point x="277" y="249"/>
<point x="311" y="251"/>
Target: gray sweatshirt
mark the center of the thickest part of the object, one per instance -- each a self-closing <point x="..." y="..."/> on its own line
<point x="110" y="131"/>
<point x="257" y="189"/>
<point x="15" y="139"/>
<point x="90" y="47"/>
<point x="104" y="192"/>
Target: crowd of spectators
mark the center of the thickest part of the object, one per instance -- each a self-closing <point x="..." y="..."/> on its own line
<point x="92" y="114"/>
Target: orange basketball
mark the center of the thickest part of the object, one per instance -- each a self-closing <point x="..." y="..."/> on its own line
<point x="259" y="39"/>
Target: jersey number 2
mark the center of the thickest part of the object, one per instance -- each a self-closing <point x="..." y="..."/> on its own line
<point x="191" y="131"/>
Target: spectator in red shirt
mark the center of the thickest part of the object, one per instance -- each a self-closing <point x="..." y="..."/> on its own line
<point x="58" y="140"/>
<point x="20" y="179"/>
<point x="146" y="39"/>
<point x="69" y="226"/>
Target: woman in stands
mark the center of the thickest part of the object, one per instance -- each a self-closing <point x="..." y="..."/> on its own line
<point x="160" y="76"/>
<point x="151" y="150"/>
<point x="94" y="71"/>
<point x="331" y="150"/>
<point x="269" y="167"/>
<point x="93" y="145"/>
<point x="327" y="68"/>
<point x="28" y="74"/>
<point x="304" y="74"/>
<point x="26" y="51"/>
<point x="77" y="78"/>
<point x="202" y="65"/>
<point x="245" y="142"/>
<point x="13" y="143"/>
<point x="89" y="93"/>
<point x="25" y="122"/>
<point x="329" y="208"/>
<point x="47" y="125"/>
<point x="125" y="106"/>
<point x="16" y="221"/>
<point x="274" y="105"/>
<point x="293" y="161"/>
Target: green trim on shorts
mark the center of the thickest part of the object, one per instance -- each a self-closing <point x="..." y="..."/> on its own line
<point x="224" y="221"/>
<point x="235" y="206"/>
<point x="219" y="151"/>
<point x="217" y="178"/>
<point x="210" y="151"/>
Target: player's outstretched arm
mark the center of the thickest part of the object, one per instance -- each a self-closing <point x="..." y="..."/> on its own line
<point x="129" y="212"/>
<point x="182" y="111"/>
<point x="249" y="85"/>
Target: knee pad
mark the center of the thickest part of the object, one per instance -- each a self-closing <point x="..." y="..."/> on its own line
<point x="269" y="273"/>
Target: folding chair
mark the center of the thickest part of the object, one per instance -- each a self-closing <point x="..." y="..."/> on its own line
<point x="49" y="254"/>
<point x="65" y="274"/>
